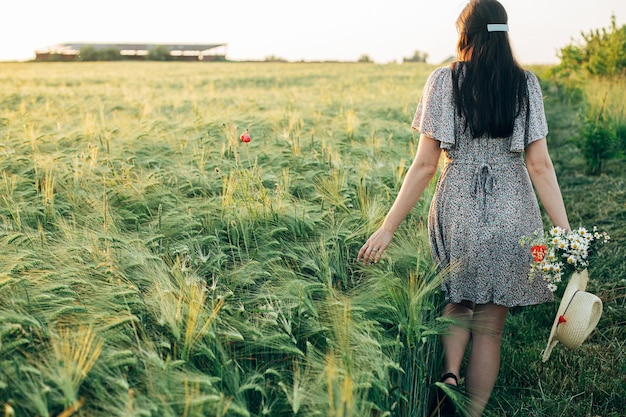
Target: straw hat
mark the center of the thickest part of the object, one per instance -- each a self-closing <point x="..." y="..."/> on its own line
<point x="577" y="316"/>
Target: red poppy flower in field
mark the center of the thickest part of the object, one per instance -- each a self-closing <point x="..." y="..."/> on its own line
<point x="245" y="137"/>
<point x="539" y="252"/>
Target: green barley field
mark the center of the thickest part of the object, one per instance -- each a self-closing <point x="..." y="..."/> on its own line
<point x="152" y="264"/>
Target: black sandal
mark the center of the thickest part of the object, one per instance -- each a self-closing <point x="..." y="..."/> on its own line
<point x="450" y="375"/>
<point x="443" y="405"/>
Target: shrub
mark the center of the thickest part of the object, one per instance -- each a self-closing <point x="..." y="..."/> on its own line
<point x="90" y="53"/>
<point x="602" y="53"/>
<point x="620" y="136"/>
<point x="274" y="58"/>
<point x="597" y="142"/>
<point x="418" y="56"/>
<point x="110" y="54"/>
<point x="159" y="53"/>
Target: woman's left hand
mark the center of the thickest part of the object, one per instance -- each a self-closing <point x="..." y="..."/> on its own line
<point x="373" y="249"/>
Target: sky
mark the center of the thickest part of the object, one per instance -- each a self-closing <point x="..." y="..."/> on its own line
<point x="384" y="30"/>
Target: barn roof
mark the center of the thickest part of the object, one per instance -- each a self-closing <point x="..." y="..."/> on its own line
<point x="196" y="47"/>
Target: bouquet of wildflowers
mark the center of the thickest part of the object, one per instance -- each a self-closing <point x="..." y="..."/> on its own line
<point x="560" y="252"/>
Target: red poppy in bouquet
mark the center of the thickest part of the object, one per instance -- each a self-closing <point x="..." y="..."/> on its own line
<point x="560" y="252"/>
<point x="539" y="252"/>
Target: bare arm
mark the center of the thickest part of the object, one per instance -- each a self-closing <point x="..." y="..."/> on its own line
<point x="420" y="173"/>
<point x="544" y="179"/>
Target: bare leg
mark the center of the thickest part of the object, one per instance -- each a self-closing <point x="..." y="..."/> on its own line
<point x="483" y="364"/>
<point x="455" y="340"/>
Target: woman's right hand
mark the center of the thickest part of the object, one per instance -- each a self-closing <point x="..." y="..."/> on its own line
<point x="373" y="249"/>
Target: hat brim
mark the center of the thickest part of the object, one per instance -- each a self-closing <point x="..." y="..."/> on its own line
<point x="577" y="282"/>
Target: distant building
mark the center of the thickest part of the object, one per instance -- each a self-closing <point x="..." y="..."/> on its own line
<point x="177" y="52"/>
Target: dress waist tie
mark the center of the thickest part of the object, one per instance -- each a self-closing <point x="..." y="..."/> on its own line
<point x="482" y="183"/>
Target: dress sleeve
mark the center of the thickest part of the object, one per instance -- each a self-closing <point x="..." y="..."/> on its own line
<point x="435" y="114"/>
<point x="531" y="124"/>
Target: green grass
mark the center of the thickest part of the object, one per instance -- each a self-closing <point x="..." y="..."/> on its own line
<point x="151" y="264"/>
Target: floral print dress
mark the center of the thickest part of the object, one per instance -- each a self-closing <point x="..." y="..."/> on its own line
<point x="484" y="201"/>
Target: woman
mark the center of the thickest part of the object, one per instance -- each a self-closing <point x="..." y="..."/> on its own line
<point x="484" y="112"/>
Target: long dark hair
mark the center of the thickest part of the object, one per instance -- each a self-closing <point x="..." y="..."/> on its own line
<point x="489" y="85"/>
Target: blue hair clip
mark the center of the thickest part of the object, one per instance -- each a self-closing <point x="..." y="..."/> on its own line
<point x="497" y="27"/>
